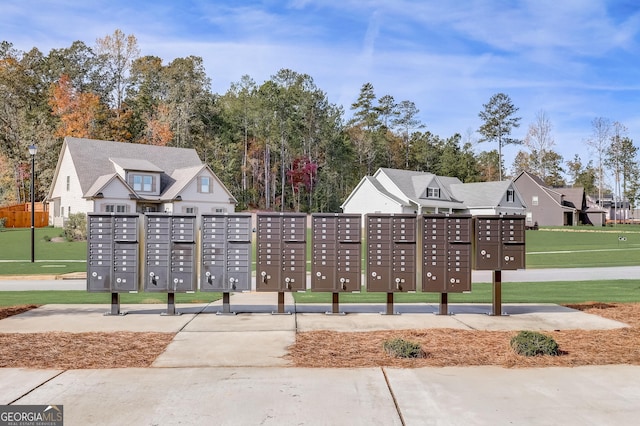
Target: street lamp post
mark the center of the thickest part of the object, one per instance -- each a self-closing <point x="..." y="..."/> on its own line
<point x="33" y="150"/>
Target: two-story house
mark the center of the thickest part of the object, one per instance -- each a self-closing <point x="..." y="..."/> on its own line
<point x="106" y="176"/>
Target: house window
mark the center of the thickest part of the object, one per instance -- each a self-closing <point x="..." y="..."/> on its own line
<point x="219" y="210"/>
<point x="143" y="183"/>
<point x="534" y="200"/>
<point x="190" y="210"/>
<point x="117" y="208"/>
<point x="204" y="184"/>
<point x="529" y="218"/>
<point x="433" y="192"/>
<point x="511" y="195"/>
<point x="68" y="183"/>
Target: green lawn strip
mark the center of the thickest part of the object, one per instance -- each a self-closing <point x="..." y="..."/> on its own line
<point x="44" y="297"/>
<point x="624" y="291"/>
<point x="41" y="268"/>
<point x="15" y="244"/>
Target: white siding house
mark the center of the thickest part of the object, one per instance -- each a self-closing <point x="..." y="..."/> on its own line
<point x="105" y="176"/>
<point x="404" y="191"/>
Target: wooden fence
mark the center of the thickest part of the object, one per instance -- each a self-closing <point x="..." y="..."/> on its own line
<point x="19" y="215"/>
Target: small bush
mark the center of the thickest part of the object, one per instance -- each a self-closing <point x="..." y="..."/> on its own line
<point x="532" y="343"/>
<point x="401" y="348"/>
<point x="3" y="220"/>
<point x="75" y="228"/>
<point x="47" y="238"/>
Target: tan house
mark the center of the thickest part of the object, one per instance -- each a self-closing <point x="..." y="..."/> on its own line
<point x="547" y="206"/>
<point x="106" y="176"/>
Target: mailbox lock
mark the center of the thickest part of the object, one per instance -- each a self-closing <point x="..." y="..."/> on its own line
<point x="94" y="274"/>
<point x="233" y="281"/>
<point x="154" y="279"/>
<point x="263" y="274"/>
<point x="343" y="283"/>
<point x="210" y="277"/>
<point x="287" y="281"/>
<point x="318" y="274"/>
<point x="374" y="274"/>
<point x="483" y="252"/>
<point x="398" y="285"/>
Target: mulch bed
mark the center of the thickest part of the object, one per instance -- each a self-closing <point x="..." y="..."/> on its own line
<point x="330" y="349"/>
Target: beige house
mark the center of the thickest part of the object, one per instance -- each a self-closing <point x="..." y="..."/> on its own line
<point x="547" y="206"/>
<point x="405" y="191"/>
<point x="106" y="176"/>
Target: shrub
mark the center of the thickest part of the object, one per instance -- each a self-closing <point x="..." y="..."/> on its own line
<point x="532" y="343"/>
<point x="401" y="348"/>
<point x="47" y="238"/>
<point x="75" y="228"/>
<point x="2" y="222"/>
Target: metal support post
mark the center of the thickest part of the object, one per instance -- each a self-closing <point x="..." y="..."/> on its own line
<point x="115" y="305"/>
<point x="497" y="294"/>
<point x="444" y="304"/>
<point x="171" y="305"/>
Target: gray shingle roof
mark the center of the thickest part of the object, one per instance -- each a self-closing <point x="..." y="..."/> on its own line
<point x="480" y="194"/>
<point x="92" y="158"/>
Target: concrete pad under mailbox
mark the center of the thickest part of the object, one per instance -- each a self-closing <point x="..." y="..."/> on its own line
<point x="17" y="382"/>
<point x="91" y="318"/>
<point x="373" y="322"/>
<point x="227" y="349"/>
<point x="535" y="396"/>
<point x="229" y="396"/>
<point x="241" y="322"/>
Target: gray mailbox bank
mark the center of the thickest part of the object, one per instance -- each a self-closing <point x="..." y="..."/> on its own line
<point x="112" y="255"/>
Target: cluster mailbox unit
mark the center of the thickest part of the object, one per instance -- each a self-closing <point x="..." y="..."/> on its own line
<point x="336" y="254"/>
<point x="451" y="245"/>
<point x="391" y="254"/>
<point x="225" y="248"/>
<point x="170" y="255"/>
<point x="281" y="254"/>
<point x="113" y="255"/>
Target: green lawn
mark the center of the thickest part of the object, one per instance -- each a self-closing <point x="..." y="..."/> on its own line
<point x="37" y="297"/>
<point x="624" y="291"/>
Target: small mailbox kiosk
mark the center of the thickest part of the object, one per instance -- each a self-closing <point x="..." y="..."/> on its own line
<point x="391" y="254"/>
<point x="336" y="250"/>
<point x="281" y="253"/>
<point x="225" y="248"/>
<point x="170" y="255"/>
<point x="499" y="245"/>
<point x="113" y="255"/>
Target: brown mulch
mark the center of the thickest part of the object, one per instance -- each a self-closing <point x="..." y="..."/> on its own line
<point x="451" y="347"/>
<point x="330" y="349"/>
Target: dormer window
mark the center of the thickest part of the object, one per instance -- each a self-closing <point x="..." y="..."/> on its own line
<point x="433" y="192"/>
<point x="142" y="183"/>
<point x="511" y="196"/>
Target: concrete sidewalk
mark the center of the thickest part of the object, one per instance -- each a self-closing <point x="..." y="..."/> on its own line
<point x="231" y="370"/>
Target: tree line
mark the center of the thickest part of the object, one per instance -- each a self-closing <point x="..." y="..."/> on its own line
<point x="278" y="145"/>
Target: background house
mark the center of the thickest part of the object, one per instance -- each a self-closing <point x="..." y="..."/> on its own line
<point x="405" y="191"/>
<point x="549" y="206"/>
<point x="105" y="176"/>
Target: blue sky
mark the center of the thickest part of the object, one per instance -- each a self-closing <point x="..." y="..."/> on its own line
<point x="573" y="59"/>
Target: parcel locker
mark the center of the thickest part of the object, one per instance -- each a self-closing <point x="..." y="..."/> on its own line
<point x="391" y="252"/>
<point x="336" y="249"/>
<point x="113" y="263"/>
<point x="281" y="252"/>
<point x="170" y="253"/>
<point x="225" y="252"/>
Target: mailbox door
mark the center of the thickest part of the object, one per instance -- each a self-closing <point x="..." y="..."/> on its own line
<point x="238" y="276"/>
<point x="378" y="266"/>
<point x="349" y="271"/>
<point x="403" y="267"/>
<point x="126" y="268"/>
<point x="294" y="264"/>
<point x="182" y="273"/>
<point x="268" y="268"/>
<point x="513" y="256"/>
<point x="458" y="268"/>
<point x="323" y="263"/>
<point x="213" y="266"/>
